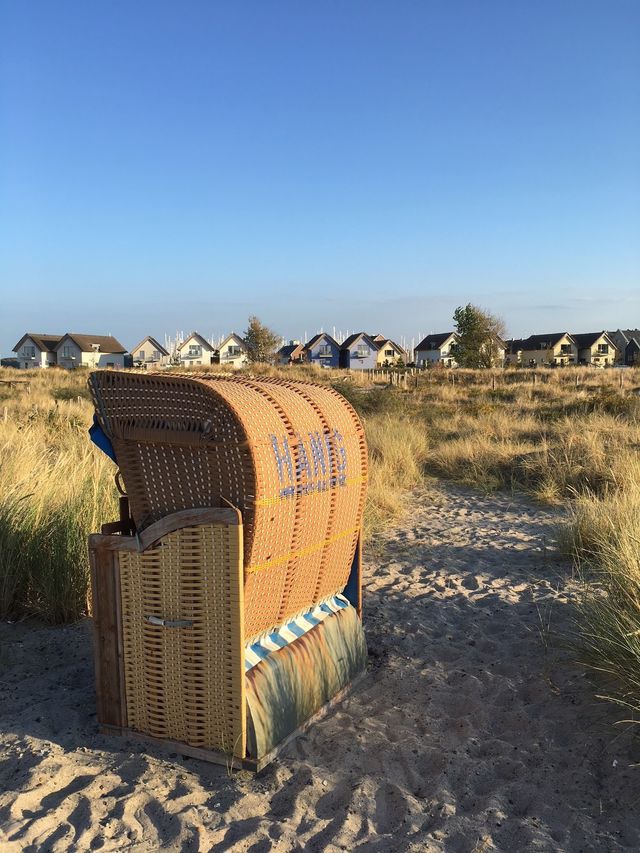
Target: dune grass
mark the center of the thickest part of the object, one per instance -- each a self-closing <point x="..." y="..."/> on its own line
<point x="602" y="534"/>
<point x="55" y="488"/>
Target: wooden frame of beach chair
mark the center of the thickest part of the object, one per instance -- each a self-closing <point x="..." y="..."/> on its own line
<point x="176" y="603"/>
<point x="142" y="688"/>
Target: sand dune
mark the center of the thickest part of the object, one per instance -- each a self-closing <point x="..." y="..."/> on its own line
<point x="472" y="732"/>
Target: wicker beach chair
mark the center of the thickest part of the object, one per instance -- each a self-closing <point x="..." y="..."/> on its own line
<point x="227" y="606"/>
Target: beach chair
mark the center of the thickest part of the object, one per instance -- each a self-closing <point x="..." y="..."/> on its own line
<point x="227" y="598"/>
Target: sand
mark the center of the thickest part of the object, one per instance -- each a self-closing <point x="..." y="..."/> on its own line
<point x="473" y="730"/>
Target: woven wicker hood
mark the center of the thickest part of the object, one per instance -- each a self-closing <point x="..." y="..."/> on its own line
<point x="291" y="456"/>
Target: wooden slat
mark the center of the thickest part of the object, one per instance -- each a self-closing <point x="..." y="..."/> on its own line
<point x="187" y="518"/>
<point x="110" y="704"/>
<point x="169" y="524"/>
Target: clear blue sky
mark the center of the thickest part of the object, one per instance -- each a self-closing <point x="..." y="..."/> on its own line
<point x="169" y="165"/>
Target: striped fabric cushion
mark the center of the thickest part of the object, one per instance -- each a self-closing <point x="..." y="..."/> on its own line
<point x="262" y="647"/>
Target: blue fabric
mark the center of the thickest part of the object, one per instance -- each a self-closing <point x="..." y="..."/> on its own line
<point x="100" y="439"/>
<point x="258" y="649"/>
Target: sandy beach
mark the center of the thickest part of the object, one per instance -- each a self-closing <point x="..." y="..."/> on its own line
<point x="473" y="730"/>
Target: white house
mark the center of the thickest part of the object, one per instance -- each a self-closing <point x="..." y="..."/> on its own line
<point x="195" y="350"/>
<point x="595" y="348"/>
<point x="36" y="350"/>
<point x="75" y="350"/>
<point x="233" y="352"/>
<point x="149" y="353"/>
<point x="436" y="349"/>
<point x="556" y="349"/>
<point x="389" y="352"/>
<point x="69" y="350"/>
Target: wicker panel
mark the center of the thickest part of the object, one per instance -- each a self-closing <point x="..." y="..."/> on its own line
<point x="290" y="455"/>
<point x="186" y="683"/>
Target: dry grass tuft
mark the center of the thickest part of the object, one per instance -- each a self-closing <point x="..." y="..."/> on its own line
<point x="55" y="488"/>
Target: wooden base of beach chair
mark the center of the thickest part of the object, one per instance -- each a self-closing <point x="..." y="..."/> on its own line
<point x="169" y="646"/>
<point x="230" y="761"/>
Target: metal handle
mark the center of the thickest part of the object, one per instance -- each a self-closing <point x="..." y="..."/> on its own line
<point x="169" y="623"/>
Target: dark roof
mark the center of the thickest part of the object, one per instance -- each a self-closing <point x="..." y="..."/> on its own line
<point x="626" y="335"/>
<point x="543" y="341"/>
<point x="381" y="342"/>
<point x="198" y="337"/>
<point x="107" y="343"/>
<point x="154" y="343"/>
<point x="587" y="339"/>
<point x="432" y="342"/>
<point x="378" y="338"/>
<point x="288" y="350"/>
<point x="314" y="340"/>
<point x="514" y="345"/>
<point x="43" y="342"/>
<point x="353" y="338"/>
<point x="233" y="335"/>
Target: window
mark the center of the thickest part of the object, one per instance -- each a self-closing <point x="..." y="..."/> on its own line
<point x="603" y="349"/>
<point x="565" y="349"/>
<point x="29" y="352"/>
<point x="66" y="351"/>
<point x="141" y="355"/>
<point x="194" y="350"/>
<point x="363" y="351"/>
<point x="389" y="353"/>
<point x="324" y="350"/>
<point x="95" y="347"/>
<point x="155" y="355"/>
<point x="234" y="351"/>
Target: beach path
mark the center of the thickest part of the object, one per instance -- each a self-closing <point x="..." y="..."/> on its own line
<point x="473" y="731"/>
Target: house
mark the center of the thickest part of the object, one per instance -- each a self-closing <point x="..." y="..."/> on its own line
<point x="195" y="351"/>
<point x="291" y="353"/>
<point x="76" y="350"/>
<point x="595" y="348"/>
<point x="627" y="344"/>
<point x="358" y="352"/>
<point x="632" y="352"/>
<point x="323" y="351"/>
<point x="233" y="352"/>
<point x="149" y="353"/>
<point x="36" y="350"/>
<point x="436" y="349"/>
<point x="513" y="351"/>
<point x="389" y="352"/>
<point x="69" y="350"/>
<point x="493" y="352"/>
<point x="557" y="349"/>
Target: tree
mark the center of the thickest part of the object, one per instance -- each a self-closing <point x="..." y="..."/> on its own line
<point x="480" y="337"/>
<point x="261" y="341"/>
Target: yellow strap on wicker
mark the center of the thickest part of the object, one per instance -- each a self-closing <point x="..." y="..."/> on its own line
<point x="311" y="549"/>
